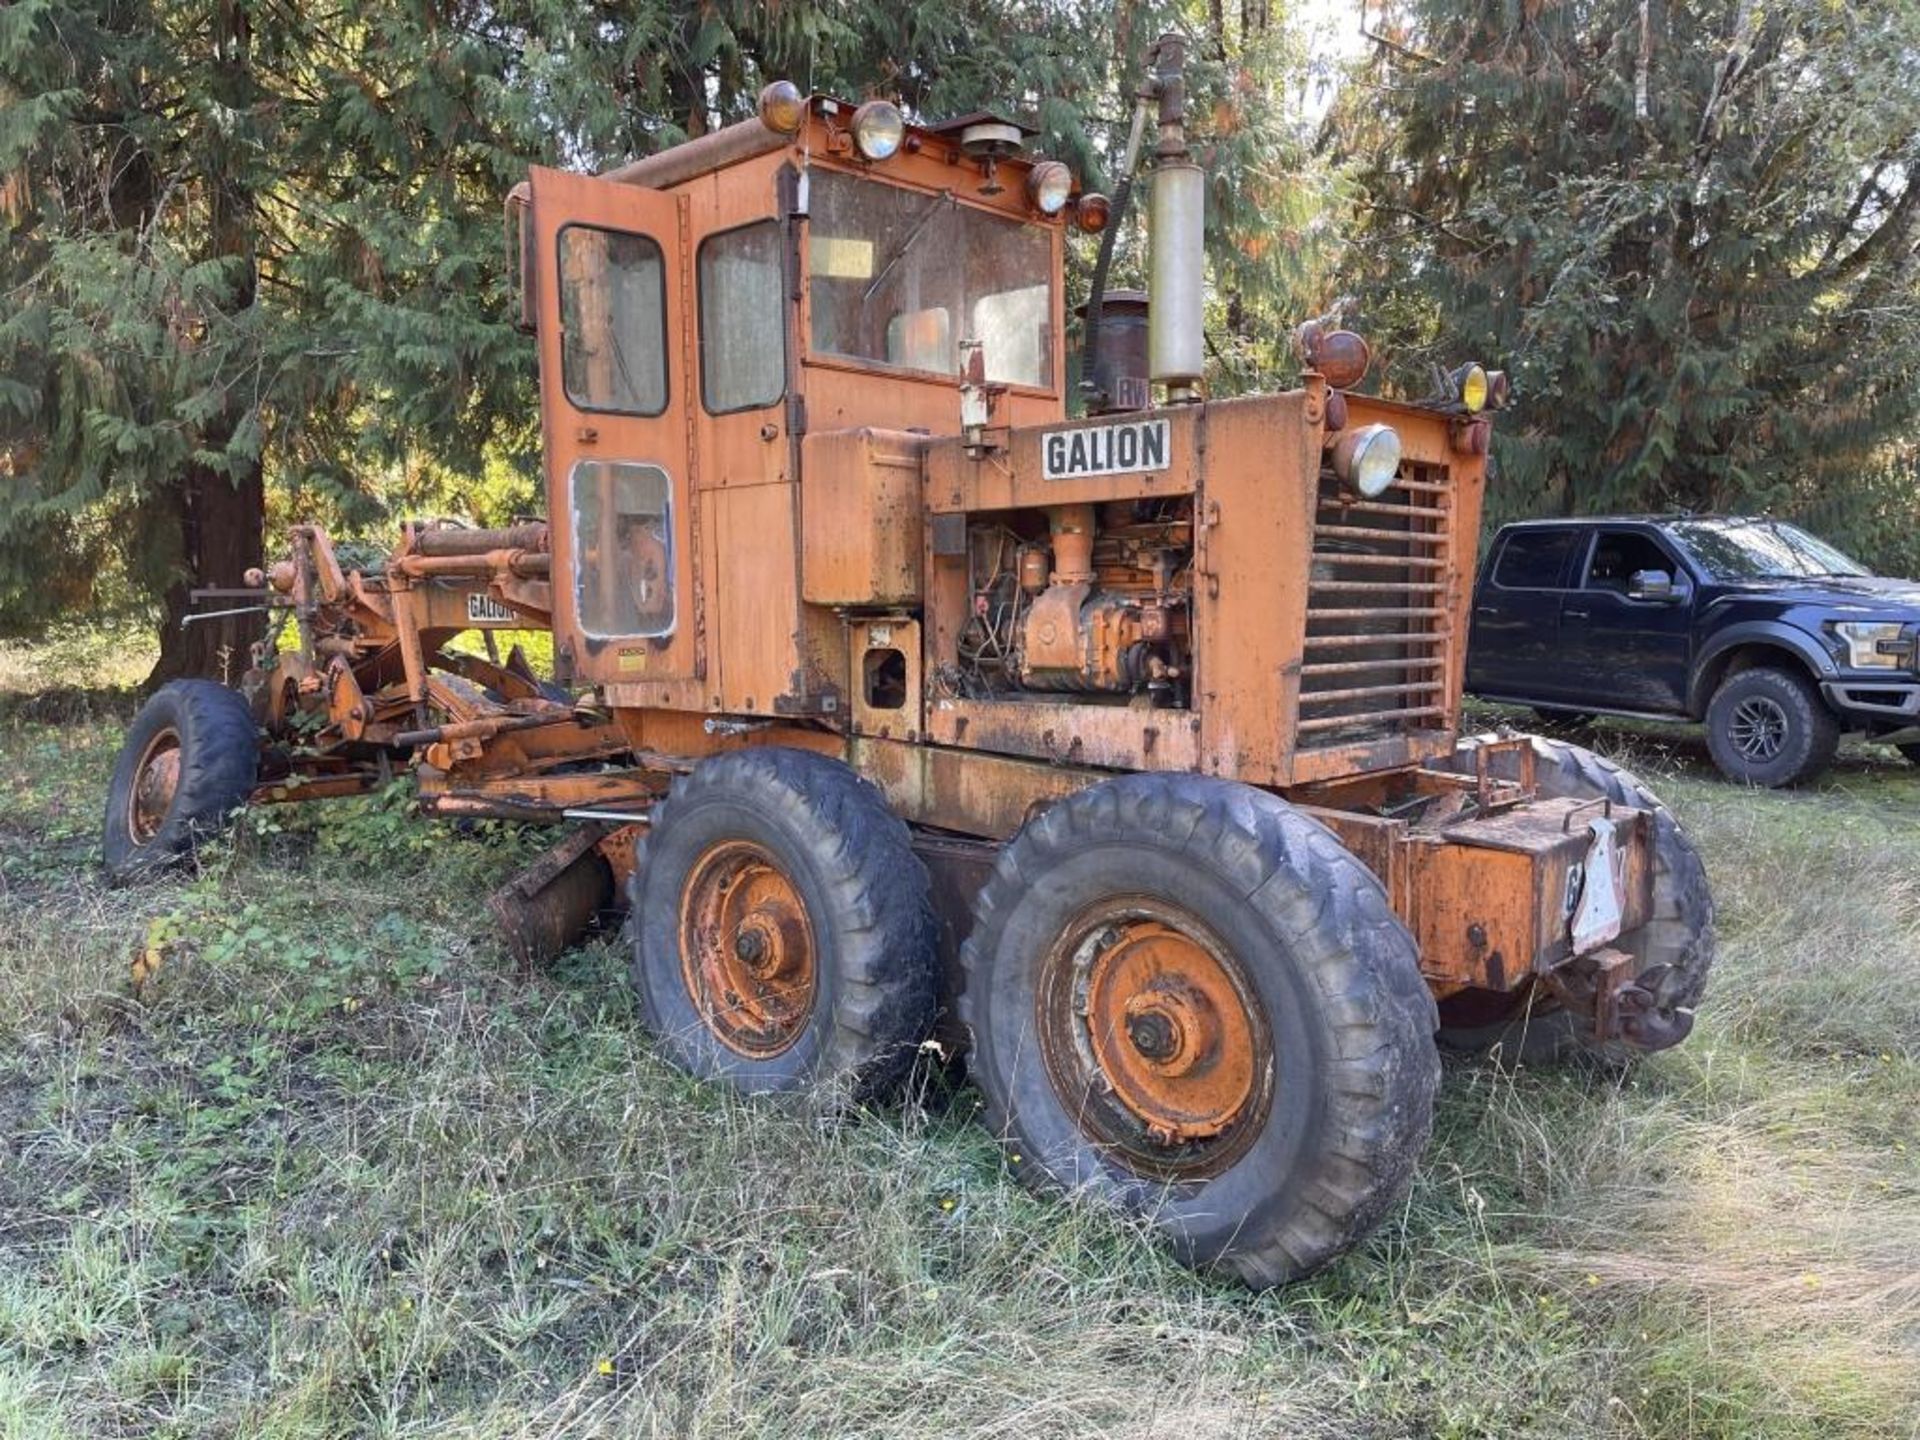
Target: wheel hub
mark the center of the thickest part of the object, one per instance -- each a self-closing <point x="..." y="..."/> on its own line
<point x="1758" y="728"/>
<point x="747" y="949"/>
<point x="1151" y="1027"/>
<point x="156" y="779"/>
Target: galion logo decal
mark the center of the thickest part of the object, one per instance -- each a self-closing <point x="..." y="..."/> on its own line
<point x="1130" y="447"/>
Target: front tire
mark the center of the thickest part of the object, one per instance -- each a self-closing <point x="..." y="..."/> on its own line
<point x="1675" y="948"/>
<point x="1189" y="1002"/>
<point x="1769" y="727"/>
<point x="782" y="927"/>
<point x="189" y="761"/>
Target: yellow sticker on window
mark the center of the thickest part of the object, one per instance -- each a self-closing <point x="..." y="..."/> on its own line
<point x="840" y="257"/>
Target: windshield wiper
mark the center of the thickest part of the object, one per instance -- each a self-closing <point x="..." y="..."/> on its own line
<point x="944" y="198"/>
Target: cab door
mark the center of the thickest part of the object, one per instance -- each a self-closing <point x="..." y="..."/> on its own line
<point x="1632" y="650"/>
<point x="610" y="277"/>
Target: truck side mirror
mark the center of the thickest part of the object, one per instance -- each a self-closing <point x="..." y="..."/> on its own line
<point x="1652" y="585"/>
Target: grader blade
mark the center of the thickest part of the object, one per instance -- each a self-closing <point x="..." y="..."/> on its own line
<point x="549" y="905"/>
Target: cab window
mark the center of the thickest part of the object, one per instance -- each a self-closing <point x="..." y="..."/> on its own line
<point x="613" y="321"/>
<point x="743" y="361"/>
<point x="622" y="548"/>
<point x="1534" y="559"/>
<point x="901" y="277"/>
<point x="1619" y="555"/>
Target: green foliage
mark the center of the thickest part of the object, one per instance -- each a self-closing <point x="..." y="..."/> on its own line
<point x="1693" y="242"/>
<point x="264" y="243"/>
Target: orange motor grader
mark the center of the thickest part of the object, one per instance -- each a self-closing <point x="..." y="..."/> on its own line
<point x="1116" y="751"/>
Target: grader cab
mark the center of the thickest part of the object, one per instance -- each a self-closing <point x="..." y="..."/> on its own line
<point x="904" y="710"/>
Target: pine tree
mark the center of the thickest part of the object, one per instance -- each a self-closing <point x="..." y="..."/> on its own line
<point x="1691" y="228"/>
<point x="254" y="256"/>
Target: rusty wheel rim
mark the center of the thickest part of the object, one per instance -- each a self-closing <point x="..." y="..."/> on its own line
<point x="1152" y="1030"/>
<point x="747" y="949"/>
<point x="156" y="779"/>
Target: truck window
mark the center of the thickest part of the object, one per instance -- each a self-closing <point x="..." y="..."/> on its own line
<point x="613" y="321"/>
<point x="1618" y="555"/>
<point x="1533" y="559"/>
<point x="743" y="350"/>
<point x="901" y="277"/>
<point x="622" y="548"/>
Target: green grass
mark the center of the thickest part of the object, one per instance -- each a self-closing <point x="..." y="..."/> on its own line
<point x="335" y="1169"/>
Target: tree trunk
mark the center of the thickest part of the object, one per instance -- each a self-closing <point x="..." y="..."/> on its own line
<point x="220" y="540"/>
<point x="221" y="518"/>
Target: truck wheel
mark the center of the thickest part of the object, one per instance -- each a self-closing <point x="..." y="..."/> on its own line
<point x="1770" y="728"/>
<point x="782" y="927"/>
<point x="1674" y="949"/>
<point x="1189" y="1002"/>
<point x="188" y="762"/>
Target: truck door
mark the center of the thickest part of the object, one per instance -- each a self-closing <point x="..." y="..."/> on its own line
<point x="610" y="281"/>
<point x="1622" y="640"/>
<point x="1512" y="653"/>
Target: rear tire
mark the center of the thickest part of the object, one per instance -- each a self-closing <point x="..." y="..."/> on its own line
<point x="1190" y="1003"/>
<point x="1675" y="948"/>
<point x="189" y="761"/>
<point x="1769" y="727"/>
<point x="782" y="927"/>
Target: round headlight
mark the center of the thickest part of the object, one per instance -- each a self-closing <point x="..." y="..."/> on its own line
<point x="782" y="107"/>
<point x="1499" y="390"/>
<point x="1092" y="211"/>
<point x="878" y="129"/>
<point x="1049" y="184"/>
<point x="1367" y="459"/>
<point x="1470" y="384"/>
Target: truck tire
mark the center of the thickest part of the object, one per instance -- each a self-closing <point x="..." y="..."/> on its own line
<point x="189" y="761"/>
<point x="1190" y="1003"/>
<point x="782" y="928"/>
<point x="1675" y="948"/>
<point x="1769" y="727"/>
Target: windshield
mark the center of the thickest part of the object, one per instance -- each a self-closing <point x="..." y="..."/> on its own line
<point x="1762" y="550"/>
<point x="903" y="277"/>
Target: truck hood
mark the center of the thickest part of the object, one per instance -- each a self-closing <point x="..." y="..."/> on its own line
<point x="1877" y="593"/>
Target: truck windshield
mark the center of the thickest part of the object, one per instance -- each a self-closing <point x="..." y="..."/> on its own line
<point x="902" y="277"/>
<point x="1762" y="550"/>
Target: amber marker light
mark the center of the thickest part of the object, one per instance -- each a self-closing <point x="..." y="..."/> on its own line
<point x="1341" y="356"/>
<point x="1092" y="211"/>
<point x="1049" y="185"/>
<point x="878" y="129"/>
<point x="782" y="107"/>
<point x="1470" y="384"/>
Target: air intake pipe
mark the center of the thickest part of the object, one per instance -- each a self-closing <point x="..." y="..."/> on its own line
<point x="1176" y="342"/>
<point x="1177" y="267"/>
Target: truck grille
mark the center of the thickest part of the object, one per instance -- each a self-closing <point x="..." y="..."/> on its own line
<point x="1378" y="646"/>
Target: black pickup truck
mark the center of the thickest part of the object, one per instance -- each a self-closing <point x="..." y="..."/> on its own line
<point x="1774" y="639"/>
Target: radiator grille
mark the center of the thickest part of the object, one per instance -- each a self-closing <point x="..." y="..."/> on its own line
<point x="1378" y="644"/>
